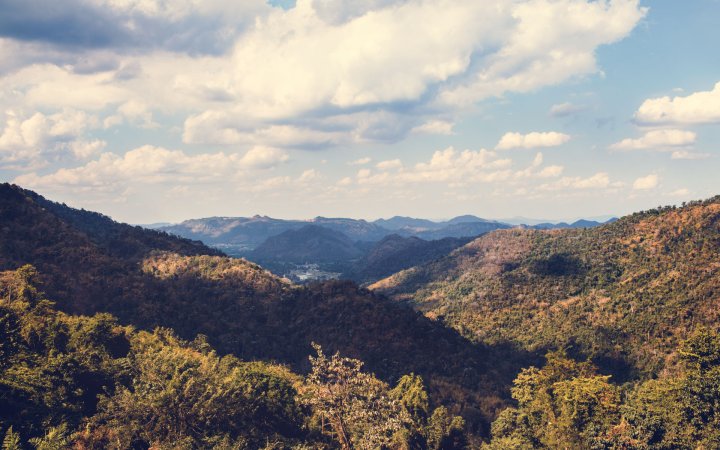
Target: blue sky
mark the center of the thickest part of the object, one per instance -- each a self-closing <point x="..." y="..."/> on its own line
<point x="155" y="110"/>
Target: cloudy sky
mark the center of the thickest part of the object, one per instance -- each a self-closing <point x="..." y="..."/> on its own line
<point x="162" y="110"/>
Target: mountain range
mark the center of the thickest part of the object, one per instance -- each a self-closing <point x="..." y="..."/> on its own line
<point x="611" y="334"/>
<point x="339" y="247"/>
<point x="89" y="264"/>
<point x="242" y="234"/>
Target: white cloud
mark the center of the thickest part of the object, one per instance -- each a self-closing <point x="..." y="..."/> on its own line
<point x="221" y="128"/>
<point x="547" y="42"/>
<point x="157" y="165"/>
<point x="532" y="140"/>
<point x="263" y="157"/>
<point x="378" y="76"/>
<point x="308" y="175"/>
<point x="647" y="182"/>
<point x="457" y="168"/>
<point x="389" y="164"/>
<point x="360" y="162"/>
<point x="699" y="107"/>
<point x="658" y="140"/>
<point x="598" y="181"/>
<point x="435" y="127"/>
<point x="146" y="164"/>
<point x="32" y="141"/>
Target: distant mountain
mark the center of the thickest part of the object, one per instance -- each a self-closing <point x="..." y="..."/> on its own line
<point x="465" y="219"/>
<point x="582" y="223"/>
<point x="395" y="253"/>
<point x="311" y="243"/>
<point x="156" y="225"/>
<point x="355" y="229"/>
<point x="400" y="222"/>
<point x="462" y="229"/>
<point x="624" y="293"/>
<point x="239" y="235"/>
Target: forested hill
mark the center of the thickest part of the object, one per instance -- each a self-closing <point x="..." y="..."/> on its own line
<point x="623" y="294"/>
<point x="88" y="264"/>
<point x="35" y="221"/>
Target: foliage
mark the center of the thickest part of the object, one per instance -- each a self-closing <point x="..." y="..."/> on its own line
<point x="623" y="294"/>
<point x="11" y="441"/>
<point x="565" y="405"/>
<point x="90" y="383"/>
<point x="359" y="411"/>
<point x="89" y="265"/>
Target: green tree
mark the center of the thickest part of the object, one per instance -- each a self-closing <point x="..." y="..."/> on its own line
<point x="563" y="405"/>
<point x="11" y="440"/>
<point x="354" y="408"/>
<point x="56" y="438"/>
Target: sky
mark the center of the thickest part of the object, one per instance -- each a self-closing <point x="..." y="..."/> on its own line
<point x="164" y="110"/>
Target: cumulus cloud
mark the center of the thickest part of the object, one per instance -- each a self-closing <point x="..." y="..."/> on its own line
<point x="220" y="129"/>
<point x="457" y="168"/>
<point x="448" y="165"/>
<point x="600" y="180"/>
<point x="647" y="182"/>
<point x="153" y="165"/>
<point x="263" y="157"/>
<point x="389" y="164"/>
<point x="207" y="26"/>
<point x="699" y="107"/>
<point x="532" y="140"/>
<point x="32" y="141"/>
<point x="435" y="127"/>
<point x="549" y="42"/>
<point x="226" y="67"/>
<point x="360" y="161"/>
<point x="661" y="140"/>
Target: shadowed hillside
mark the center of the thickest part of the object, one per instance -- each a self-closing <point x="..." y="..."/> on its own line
<point x="395" y="253"/>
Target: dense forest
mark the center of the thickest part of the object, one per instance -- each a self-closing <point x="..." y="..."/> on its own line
<point x="88" y="383"/>
<point x="112" y="336"/>
<point x="244" y="310"/>
<point x="623" y="294"/>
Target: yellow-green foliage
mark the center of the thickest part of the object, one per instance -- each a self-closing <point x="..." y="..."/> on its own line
<point x="90" y="383"/>
<point x="566" y="405"/>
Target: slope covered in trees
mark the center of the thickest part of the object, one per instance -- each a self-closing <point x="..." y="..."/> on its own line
<point x="623" y="294"/>
<point x="395" y="253"/>
<point x="89" y="383"/>
<point x="244" y="310"/>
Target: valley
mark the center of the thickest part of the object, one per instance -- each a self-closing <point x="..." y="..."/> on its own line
<point x="466" y="320"/>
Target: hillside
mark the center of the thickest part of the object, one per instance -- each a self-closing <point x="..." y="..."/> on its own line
<point x="241" y="308"/>
<point x="623" y="294"/>
<point x="311" y="243"/>
<point x="90" y="383"/>
<point x="395" y="253"/>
